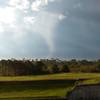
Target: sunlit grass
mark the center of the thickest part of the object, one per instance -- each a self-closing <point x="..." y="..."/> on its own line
<point x="69" y="76"/>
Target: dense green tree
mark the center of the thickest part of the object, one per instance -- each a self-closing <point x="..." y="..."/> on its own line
<point x="12" y="67"/>
<point x="65" y="68"/>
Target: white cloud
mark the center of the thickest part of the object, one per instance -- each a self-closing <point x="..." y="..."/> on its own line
<point x="17" y="26"/>
<point x="61" y="17"/>
<point x="37" y="4"/>
<point x="46" y="2"/>
<point x="29" y="19"/>
<point x="20" y="4"/>
<point x="55" y="1"/>
<point x="45" y="25"/>
<point x="7" y="15"/>
<point x="1" y="28"/>
<point x="7" y="19"/>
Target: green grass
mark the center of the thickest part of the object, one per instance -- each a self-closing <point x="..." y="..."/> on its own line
<point x="43" y="85"/>
<point x="67" y="76"/>
<point x="90" y="82"/>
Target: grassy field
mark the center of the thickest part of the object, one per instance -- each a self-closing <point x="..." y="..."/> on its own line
<point x="64" y="76"/>
<point x="43" y="85"/>
<point x="35" y="89"/>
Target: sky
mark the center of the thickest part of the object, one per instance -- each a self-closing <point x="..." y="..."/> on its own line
<point x="50" y="29"/>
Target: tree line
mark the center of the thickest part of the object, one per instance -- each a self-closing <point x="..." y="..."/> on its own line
<point x="14" y="67"/>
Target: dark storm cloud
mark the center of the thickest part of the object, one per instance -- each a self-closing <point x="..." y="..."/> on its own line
<point x="78" y="35"/>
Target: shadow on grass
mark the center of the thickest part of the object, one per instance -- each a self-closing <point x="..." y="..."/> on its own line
<point x="37" y="98"/>
<point x="42" y="85"/>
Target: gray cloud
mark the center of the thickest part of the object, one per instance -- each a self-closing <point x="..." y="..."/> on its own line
<point x="78" y="35"/>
